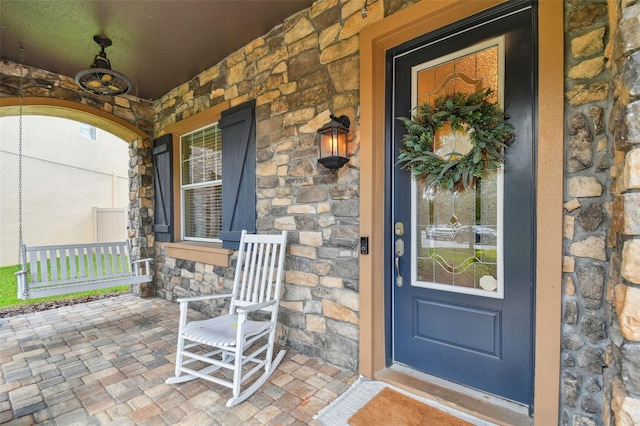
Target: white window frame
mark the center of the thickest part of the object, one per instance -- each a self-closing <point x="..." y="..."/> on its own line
<point x="186" y="187"/>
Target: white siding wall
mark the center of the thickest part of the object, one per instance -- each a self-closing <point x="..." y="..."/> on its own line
<point x="65" y="175"/>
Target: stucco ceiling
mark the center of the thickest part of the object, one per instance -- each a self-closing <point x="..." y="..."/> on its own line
<point x="157" y="44"/>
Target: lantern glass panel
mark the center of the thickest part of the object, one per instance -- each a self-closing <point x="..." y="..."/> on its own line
<point x="333" y="143"/>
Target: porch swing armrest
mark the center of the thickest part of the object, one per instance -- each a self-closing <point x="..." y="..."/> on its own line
<point x="207" y="297"/>
<point x="253" y="308"/>
<point x="22" y="287"/>
<point x="21" y="277"/>
<point x="135" y="266"/>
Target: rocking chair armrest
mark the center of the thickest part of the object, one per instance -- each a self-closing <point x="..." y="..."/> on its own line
<point x="148" y="259"/>
<point x="207" y="297"/>
<point x="257" y="306"/>
<point x="20" y="272"/>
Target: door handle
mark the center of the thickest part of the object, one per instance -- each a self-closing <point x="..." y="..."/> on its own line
<point x="399" y="254"/>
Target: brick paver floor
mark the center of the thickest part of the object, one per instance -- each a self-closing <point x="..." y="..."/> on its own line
<point x="106" y="362"/>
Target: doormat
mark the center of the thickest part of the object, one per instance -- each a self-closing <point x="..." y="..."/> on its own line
<point x="347" y="407"/>
<point x="393" y="408"/>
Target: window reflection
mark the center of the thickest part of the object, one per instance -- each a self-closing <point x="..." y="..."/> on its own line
<point x="458" y="235"/>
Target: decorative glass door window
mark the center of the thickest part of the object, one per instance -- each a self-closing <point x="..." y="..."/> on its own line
<point x="457" y="235"/>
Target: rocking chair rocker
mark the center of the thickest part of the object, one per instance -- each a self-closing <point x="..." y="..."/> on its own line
<point x="241" y="340"/>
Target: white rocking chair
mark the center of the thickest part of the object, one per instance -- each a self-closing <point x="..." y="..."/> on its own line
<point x="234" y="340"/>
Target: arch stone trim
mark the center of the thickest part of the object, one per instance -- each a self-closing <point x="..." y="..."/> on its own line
<point x="73" y="111"/>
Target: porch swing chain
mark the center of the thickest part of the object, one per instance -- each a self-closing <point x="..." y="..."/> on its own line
<point x="139" y="231"/>
<point x="20" y="136"/>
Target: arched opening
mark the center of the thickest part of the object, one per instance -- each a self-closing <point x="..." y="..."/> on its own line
<point x="140" y="205"/>
<point x="74" y="184"/>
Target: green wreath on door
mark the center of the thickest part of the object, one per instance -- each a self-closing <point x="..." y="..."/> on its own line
<point x="486" y="127"/>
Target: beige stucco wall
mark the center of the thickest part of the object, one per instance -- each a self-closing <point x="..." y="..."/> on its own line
<point x="64" y="176"/>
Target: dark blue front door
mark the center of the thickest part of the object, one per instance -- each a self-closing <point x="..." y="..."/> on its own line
<point x="462" y="263"/>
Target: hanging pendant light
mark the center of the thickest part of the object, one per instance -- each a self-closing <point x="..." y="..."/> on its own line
<point x="100" y="79"/>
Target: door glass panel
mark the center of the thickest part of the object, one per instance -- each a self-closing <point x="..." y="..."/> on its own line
<point x="457" y="236"/>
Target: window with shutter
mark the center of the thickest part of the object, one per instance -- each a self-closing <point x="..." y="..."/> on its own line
<point x="213" y="177"/>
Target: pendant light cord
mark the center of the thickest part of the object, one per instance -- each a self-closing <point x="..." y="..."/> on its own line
<point x="20" y="137"/>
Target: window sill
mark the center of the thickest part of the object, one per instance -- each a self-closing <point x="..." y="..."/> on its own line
<point x="210" y="253"/>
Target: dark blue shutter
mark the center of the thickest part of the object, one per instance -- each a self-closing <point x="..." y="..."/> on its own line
<point x="162" y="153"/>
<point x="238" y="173"/>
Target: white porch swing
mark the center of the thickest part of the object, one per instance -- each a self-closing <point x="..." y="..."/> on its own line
<point x="55" y="270"/>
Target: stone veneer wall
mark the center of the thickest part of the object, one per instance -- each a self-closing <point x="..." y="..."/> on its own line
<point x="622" y="377"/>
<point x="39" y="83"/>
<point x="601" y="315"/>
<point x="298" y="73"/>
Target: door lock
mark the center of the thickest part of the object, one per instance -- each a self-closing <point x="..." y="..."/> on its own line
<point x="398" y="229"/>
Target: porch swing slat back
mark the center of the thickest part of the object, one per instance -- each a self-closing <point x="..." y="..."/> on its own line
<point x="63" y="269"/>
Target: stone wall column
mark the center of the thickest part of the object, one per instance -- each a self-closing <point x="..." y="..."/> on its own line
<point x="622" y="376"/>
<point x="588" y="158"/>
<point x="140" y="219"/>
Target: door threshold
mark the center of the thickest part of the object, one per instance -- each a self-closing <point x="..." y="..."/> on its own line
<point x="479" y="404"/>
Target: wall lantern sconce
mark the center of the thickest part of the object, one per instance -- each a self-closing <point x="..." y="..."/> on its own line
<point x="100" y="79"/>
<point x="333" y="142"/>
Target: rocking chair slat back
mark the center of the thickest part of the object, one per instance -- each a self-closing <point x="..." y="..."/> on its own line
<point x="260" y="278"/>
